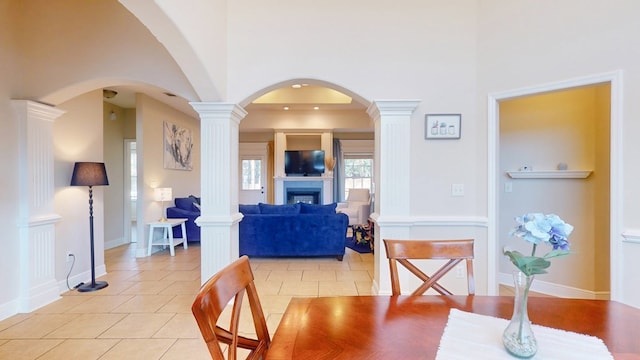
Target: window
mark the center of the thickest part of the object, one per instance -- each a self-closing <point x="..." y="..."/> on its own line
<point x="133" y="163"/>
<point x="251" y="174"/>
<point x="358" y="172"/>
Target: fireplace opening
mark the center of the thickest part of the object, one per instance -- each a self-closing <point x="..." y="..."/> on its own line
<point x="309" y="196"/>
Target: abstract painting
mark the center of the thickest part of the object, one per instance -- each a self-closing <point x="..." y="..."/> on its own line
<point x="178" y="144"/>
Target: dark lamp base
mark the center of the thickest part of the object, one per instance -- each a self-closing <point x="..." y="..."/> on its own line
<point x="93" y="287"/>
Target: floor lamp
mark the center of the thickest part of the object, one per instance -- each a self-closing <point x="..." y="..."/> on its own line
<point x="90" y="174"/>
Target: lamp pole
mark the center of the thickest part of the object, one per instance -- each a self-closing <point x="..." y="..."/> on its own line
<point x="95" y="285"/>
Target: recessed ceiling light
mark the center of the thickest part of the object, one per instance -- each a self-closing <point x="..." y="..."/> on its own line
<point x="316" y="108"/>
<point x="296" y="86"/>
<point x="285" y="108"/>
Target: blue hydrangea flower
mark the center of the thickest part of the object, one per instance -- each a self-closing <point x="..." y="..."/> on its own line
<point x="538" y="228"/>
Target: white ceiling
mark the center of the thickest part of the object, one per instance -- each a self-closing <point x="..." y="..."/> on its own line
<point x="126" y="98"/>
<point x="305" y="98"/>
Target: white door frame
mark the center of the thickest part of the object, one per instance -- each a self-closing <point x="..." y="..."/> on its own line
<point x="615" y="79"/>
<point x="126" y="212"/>
<point x="254" y="151"/>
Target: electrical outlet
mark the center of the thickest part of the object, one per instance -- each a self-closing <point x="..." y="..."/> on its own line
<point x="459" y="272"/>
<point x="69" y="256"/>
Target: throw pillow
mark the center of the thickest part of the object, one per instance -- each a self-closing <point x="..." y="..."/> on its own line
<point x="196" y="206"/>
<point x="288" y="209"/>
<point x="184" y="203"/>
<point x="248" y="209"/>
<point x="195" y="199"/>
<point x="317" y="209"/>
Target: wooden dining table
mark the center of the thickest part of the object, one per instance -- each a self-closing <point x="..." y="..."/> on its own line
<point x="410" y="327"/>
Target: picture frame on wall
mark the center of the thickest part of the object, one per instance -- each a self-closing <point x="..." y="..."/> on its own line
<point x="178" y="146"/>
<point x="442" y="126"/>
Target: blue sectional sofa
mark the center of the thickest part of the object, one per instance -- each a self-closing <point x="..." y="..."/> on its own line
<point x="292" y="230"/>
<point x="186" y="208"/>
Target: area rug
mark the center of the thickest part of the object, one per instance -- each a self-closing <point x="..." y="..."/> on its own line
<point x="360" y="248"/>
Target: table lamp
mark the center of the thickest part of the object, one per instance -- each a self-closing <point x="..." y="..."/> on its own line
<point x="162" y="194"/>
<point x="90" y="174"/>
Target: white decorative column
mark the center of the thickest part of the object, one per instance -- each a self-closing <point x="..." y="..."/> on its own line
<point x="392" y="123"/>
<point x="219" y="124"/>
<point x="36" y="217"/>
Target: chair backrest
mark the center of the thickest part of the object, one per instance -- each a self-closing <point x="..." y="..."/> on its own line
<point x="401" y="251"/>
<point x="232" y="282"/>
<point x="359" y="195"/>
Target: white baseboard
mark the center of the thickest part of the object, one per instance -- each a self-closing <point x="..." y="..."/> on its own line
<point x="8" y="309"/>
<point x="142" y="252"/>
<point x="114" y="243"/>
<point x="38" y="297"/>
<point x="375" y="288"/>
<point x="83" y="277"/>
<point x="553" y="289"/>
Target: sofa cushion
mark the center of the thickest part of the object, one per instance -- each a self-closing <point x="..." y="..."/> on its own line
<point x="195" y="199"/>
<point x="196" y="207"/>
<point x="317" y="209"/>
<point x="185" y="203"/>
<point x="288" y="209"/>
<point x="248" y="209"/>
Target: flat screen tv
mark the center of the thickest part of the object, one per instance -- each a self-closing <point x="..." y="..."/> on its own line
<point x="304" y="162"/>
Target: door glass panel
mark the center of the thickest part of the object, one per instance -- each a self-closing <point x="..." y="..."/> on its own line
<point x="251" y="174"/>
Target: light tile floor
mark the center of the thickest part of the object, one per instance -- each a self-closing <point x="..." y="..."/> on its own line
<point x="145" y="312"/>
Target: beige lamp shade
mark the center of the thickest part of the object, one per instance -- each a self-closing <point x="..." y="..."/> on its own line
<point x="162" y="194"/>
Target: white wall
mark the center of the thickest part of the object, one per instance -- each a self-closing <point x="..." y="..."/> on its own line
<point x="396" y="51"/>
<point x="10" y="75"/>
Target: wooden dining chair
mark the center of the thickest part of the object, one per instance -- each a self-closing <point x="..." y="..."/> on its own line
<point x="401" y="251"/>
<point x="232" y="282"/>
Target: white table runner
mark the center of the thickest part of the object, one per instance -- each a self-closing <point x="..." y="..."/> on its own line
<point x="472" y="336"/>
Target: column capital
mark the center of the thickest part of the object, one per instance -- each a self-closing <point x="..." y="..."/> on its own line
<point x="28" y="109"/>
<point x="219" y="111"/>
<point x="379" y="108"/>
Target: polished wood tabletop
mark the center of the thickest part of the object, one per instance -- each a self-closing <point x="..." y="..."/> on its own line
<point x="410" y="327"/>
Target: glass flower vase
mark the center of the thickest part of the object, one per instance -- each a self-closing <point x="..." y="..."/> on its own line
<point x="518" y="337"/>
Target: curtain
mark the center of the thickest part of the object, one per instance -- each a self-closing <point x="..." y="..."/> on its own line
<point x="270" y="173"/>
<point x="338" y="176"/>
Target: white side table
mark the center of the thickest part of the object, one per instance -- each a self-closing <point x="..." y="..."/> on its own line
<point x="167" y="236"/>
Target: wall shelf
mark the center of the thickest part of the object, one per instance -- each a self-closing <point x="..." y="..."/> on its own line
<point x="550" y="174"/>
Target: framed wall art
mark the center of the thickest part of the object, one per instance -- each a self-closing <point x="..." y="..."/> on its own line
<point x="442" y="126"/>
<point x="178" y="146"/>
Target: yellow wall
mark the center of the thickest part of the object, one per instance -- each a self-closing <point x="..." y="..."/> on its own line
<point x="542" y="131"/>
